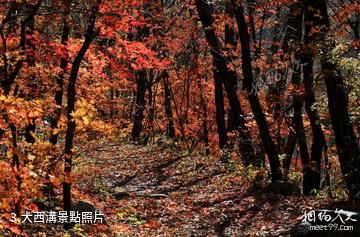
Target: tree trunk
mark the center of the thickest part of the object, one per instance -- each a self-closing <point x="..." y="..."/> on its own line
<point x="251" y="8"/>
<point x="60" y="80"/>
<point x="246" y="147"/>
<point x="71" y="93"/>
<point x="289" y="150"/>
<point x="301" y="136"/>
<point x="140" y="104"/>
<point x="292" y="47"/>
<point x="141" y="85"/>
<point x="316" y="15"/>
<point x="204" y="119"/>
<point x="220" y="117"/>
<point x="151" y="100"/>
<point x="170" y="131"/>
<point x="319" y="143"/>
<point x="230" y="47"/>
<point x="259" y="115"/>
<point x="27" y="30"/>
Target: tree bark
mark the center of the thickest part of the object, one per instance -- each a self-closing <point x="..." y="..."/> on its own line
<point x="319" y="145"/>
<point x="49" y="188"/>
<point x="140" y="104"/>
<point x="249" y="82"/>
<point x="220" y="117"/>
<point x="151" y="100"/>
<point x="246" y="147"/>
<point x="170" y="131"/>
<point x="141" y="85"/>
<point x="71" y="93"/>
<point x="60" y="80"/>
<point x="316" y="16"/>
<point x="28" y="30"/>
<point x="292" y="47"/>
<point x="300" y="133"/>
<point x="289" y="150"/>
<point x="230" y="47"/>
<point x="251" y="8"/>
<point x="205" y="134"/>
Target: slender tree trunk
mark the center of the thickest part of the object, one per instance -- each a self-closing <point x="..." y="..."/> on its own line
<point x="170" y="131"/>
<point x="277" y="86"/>
<point x="60" y="80"/>
<point x="204" y="118"/>
<point x="112" y="98"/>
<point x="28" y="30"/>
<point x="151" y="100"/>
<point x="49" y="188"/>
<point x="246" y="147"/>
<point x="292" y="47"/>
<point x="71" y="93"/>
<point x="141" y="85"/>
<point x="316" y="15"/>
<point x="140" y="104"/>
<point x="150" y="108"/>
<point x="346" y="144"/>
<point x="220" y="117"/>
<point x="251" y="8"/>
<point x="230" y="47"/>
<point x="249" y="82"/>
<point x="16" y="164"/>
<point x="319" y="143"/>
<point x="311" y="171"/>
<point x="300" y="133"/>
<point x="289" y="150"/>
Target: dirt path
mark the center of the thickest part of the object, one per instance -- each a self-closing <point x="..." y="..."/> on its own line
<point x="154" y="191"/>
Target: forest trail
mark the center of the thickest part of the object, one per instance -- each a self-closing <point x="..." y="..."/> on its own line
<point x="153" y="190"/>
<point x="100" y="101"/>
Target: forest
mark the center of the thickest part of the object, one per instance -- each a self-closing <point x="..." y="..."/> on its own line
<point x="179" y="118"/>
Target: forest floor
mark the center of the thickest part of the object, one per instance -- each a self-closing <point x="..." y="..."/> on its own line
<point x="161" y="191"/>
